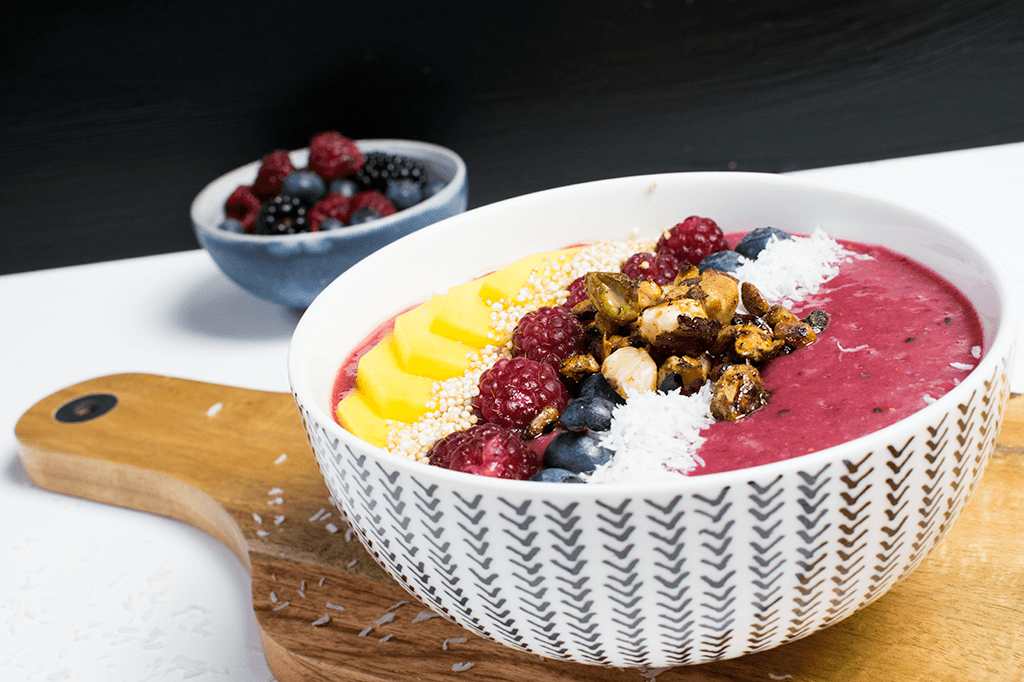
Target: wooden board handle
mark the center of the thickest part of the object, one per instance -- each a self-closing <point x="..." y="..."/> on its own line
<point x="233" y="461"/>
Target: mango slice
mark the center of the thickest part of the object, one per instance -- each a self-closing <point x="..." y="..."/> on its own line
<point x="507" y="282"/>
<point x="391" y="392"/>
<point x="423" y="352"/>
<point x="463" y="315"/>
<point x="358" y="416"/>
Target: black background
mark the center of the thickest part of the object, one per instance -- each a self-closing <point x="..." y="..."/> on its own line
<point x="113" y="118"/>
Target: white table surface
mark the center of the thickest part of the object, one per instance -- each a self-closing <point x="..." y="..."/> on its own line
<point x="93" y="592"/>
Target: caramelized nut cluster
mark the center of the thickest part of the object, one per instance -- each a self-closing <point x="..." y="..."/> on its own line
<point x="646" y="337"/>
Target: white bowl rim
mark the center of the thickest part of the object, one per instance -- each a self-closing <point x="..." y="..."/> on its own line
<point x="1001" y="346"/>
<point x="299" y="157"/>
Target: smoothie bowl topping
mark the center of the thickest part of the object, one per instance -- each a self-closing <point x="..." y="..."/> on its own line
<point x="614" y="361"/>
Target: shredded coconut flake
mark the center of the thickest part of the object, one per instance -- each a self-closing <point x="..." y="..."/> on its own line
<point x="789" y="270"/>
<point x="386" y="637"/>
<point x="452" y="640"/>
<point x="336" y="607"/>
<point x="424" y="615"/>
<point x="281" y="458"/>
<point x="655" y="436"/>
<point x="462" y="667"/>
<point x="322" y="620"/>
<point x="975" y="352"/>
<point x="331" y="528"/>
<point x="281" y="605"/>
<point x="852" y="350"/>
<point x="383" y="620"/>
<point x="961" y="365"/>
<point x="214" y="409"/>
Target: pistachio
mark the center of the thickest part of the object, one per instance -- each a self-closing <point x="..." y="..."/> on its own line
<point x="755" y="344"/>
<point x="753" y="300"/>
<point x="795" y="334"/>
<point x="613" y="295"/>
<point x="576" y="367"/>
<point x="544" y="420"/>
<point x="778" y="314"/>
<point x="630" y="368"/>
<point x="648" y="292"/>
<point x="738" y="392"/>
<point x="687" y="373"/>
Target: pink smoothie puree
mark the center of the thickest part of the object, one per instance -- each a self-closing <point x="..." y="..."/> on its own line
<point x="899" y="336"/>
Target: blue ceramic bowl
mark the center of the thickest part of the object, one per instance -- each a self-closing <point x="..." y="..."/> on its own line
<point x="293" y="269"/>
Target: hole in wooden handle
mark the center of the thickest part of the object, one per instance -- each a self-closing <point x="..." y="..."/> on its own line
<point x="84" y="408"/>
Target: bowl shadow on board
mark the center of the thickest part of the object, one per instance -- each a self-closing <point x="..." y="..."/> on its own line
<point x="217" y="307"/>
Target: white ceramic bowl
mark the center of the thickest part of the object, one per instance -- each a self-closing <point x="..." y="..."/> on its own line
<point x="293" y="269"/>
<point x="702" y="569"/>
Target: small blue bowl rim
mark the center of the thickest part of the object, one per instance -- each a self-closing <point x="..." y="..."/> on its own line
<point x="215" y="193"/>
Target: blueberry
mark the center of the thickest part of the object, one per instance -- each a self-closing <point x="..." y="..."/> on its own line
<point x="331" y="224"/>
<point x="671" y="382"/>
<point x="404" y="193"/>
<point x="433" y="188"/>
<point x="364" y="215"/>
<point x="345" y="187"/>
<point x="591" y="412"/>
<point x="596" y="385"/>
<point x="231" y="225"/>
<point x="555" y="475"/>
<point x="723" y="261"/>
<point x="577" y="452"/>
<point x="753" y="242"/>
<point x="305" y="185"/>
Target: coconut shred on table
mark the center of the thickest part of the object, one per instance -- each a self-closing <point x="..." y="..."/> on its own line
<point x="632" y="360"/>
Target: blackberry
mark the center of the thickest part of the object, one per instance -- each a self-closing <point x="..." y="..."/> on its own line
<point x="381" y="168"/>
<point x="282" y="215"/>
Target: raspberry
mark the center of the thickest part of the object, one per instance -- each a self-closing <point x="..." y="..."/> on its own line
<point x="514" y="391"/>
<point x="692" y="239"/>
<point x="661" y="268"/>
<point x="485" y="450"/>
<point x="243" y="206"/>
<point x="277" y="165"/>
<point x="548" y="335"/>
<point x="333" y="156"/>
<point x="577" y="293"/>
<point x="335" y="206"/>
<point x="375" y="200"/>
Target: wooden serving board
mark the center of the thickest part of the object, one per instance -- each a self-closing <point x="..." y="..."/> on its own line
<point x="235" y="463"/>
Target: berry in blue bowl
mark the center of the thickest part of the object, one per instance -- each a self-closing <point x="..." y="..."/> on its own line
<point x="285" y="226"/>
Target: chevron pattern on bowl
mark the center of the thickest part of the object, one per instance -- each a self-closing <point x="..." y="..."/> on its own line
<point x="704" y="569"/>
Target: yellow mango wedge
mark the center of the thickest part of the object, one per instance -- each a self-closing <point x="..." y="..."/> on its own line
<point x="357" y="415"/>
<point x="424" y="352"/>
<point x="507" y="282"/>
<point x="463" y="316"/>
<point x="391" y="392"/>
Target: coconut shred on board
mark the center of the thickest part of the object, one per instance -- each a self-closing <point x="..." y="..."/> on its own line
<point x="898" y="336"/>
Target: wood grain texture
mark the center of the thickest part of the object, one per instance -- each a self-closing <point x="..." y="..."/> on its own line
<point x="165" y="448"/>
